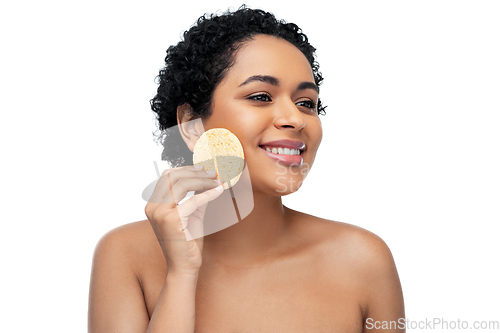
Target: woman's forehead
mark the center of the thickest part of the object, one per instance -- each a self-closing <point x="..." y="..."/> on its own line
<point x="272" y="56"/>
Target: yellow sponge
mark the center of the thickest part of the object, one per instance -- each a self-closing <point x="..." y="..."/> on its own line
<point x="220" y="150"/>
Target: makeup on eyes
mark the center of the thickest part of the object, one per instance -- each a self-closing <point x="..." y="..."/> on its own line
<point x="260" y="97"/>
<point x="266" y="97"/>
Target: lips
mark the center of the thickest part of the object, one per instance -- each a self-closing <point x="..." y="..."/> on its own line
<point x="292" y="144"/>
<point x="284" y="158"/>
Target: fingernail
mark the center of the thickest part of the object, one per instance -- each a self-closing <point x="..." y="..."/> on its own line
<point x="210" y="172"/>
<point x="198" y="166"/>
<point x="219" y="188"/>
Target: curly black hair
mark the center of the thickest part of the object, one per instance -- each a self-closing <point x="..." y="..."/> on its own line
<point x="195" y="66"/>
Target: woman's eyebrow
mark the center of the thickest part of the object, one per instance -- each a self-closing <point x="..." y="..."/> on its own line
<point x="308" y="85"/>
<point x="262" y="78"/>
<point x="275" y="82"/>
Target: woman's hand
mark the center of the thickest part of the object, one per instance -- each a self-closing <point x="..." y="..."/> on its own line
<point x="176" y="225"/>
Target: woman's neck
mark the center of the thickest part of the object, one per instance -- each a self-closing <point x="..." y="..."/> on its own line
<point x="260" y="234"/>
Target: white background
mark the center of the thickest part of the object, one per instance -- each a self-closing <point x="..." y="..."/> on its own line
<point x="410" y="148"/>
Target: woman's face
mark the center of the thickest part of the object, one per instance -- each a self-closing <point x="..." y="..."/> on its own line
<point x="268" y="100"/>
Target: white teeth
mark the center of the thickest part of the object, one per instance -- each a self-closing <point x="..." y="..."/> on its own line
<point x="284" y="151"/>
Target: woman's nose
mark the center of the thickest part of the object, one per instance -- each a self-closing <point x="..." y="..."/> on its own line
<point x="288" y="116"/>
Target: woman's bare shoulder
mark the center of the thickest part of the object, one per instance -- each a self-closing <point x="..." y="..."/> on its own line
<point x="128" y="234"/>
<point x="130" y="242"/>
<point x="356" y="256"/>
<point x="116" y="295"/>
<point x="133" y="230"/>
<point x="356" y="244"/>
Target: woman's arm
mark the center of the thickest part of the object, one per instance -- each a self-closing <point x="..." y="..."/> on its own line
<point x="384" y="307"/>
<point x="176" y="301"/>
<point x="116" y="301"/>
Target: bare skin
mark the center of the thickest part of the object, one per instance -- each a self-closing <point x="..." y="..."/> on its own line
<point x="278" y="270"/>
<point x="327" y="282"/>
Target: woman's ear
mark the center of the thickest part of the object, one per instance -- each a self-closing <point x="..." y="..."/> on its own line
<point x="191" y="128"/>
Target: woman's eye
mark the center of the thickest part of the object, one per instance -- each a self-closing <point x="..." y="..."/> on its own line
<point x="308" y="104"/>
<point x="260" y="98"/>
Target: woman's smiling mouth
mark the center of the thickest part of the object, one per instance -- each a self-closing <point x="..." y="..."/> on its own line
<point x="285" y="151"/>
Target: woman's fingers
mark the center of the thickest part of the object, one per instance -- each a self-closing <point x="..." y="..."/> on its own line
<point x="173" y="186"/>
<point x="173" y="223"/>
<point x="183" y="186"/>
<point x="166" y="185"/>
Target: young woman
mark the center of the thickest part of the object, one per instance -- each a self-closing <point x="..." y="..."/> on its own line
<point x="277" y="270"/>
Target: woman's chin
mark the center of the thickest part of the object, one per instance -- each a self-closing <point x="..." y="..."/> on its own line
<point x="280" y="186"/>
